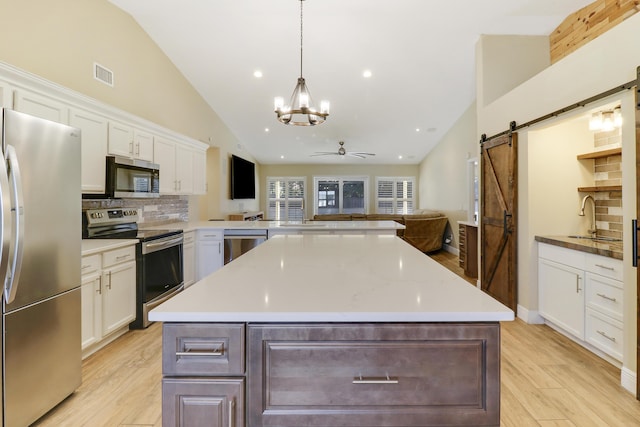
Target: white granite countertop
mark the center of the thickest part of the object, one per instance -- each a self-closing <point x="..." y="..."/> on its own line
<point x="93" y="246"/>
<point x="332" y="278"/>
<point x="271" y="225"/>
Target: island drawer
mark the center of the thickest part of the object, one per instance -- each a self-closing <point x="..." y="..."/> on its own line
<point x="203" y="349"/>
<point x="373" y="375"/>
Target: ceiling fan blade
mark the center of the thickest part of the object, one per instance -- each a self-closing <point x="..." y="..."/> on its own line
<point x="363" y="153"/>
<point x="356" y="155"/>
<point x="324" y="153"/>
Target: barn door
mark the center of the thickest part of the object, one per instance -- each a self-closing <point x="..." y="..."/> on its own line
<point x="498" y="213"/>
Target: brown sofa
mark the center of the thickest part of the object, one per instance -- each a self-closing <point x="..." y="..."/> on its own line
<point x="424" y="229"/>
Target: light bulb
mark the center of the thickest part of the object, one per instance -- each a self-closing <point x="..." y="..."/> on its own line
<point x="278" y="103"/>
<point x="617" y="117"/>
<point x="595" y="122"/>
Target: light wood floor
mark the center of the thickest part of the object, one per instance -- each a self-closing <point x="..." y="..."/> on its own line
<point x="547" y="380"/>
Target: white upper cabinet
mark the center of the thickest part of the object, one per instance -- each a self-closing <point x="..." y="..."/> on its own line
<point x="40" y="106"/>
<point x="6" y="95"/>
<point x="94" y="148"/>
<point x="127" y="141"/>
<point x="164" y="154"/>
<point x="182" y="167"/>
<point x="142" y="145"/>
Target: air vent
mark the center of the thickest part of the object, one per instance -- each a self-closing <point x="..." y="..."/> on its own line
<point x="102" y="74"/>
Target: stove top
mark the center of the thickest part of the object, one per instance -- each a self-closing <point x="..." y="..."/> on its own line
<point x="118" y="223"/>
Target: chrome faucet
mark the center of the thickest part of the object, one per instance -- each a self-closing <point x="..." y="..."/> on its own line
<point x="594" y="227"/>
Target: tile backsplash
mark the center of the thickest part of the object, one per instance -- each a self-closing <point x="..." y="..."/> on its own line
<point x="155" y="211"/>
<point x="608" y="171"/>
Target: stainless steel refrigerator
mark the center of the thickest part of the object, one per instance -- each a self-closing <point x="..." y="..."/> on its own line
<point x="40" y="256"/>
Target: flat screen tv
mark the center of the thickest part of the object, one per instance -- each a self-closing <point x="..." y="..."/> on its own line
<point x="243" y="178"/>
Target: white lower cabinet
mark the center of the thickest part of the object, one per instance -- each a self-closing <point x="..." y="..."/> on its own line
<point x="108" y="296"/>
<point x="210" y="251"/>
<point x="582" y="294"/>
<point x="189" y="258"/>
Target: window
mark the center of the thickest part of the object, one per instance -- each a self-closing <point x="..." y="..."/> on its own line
<point x="395" y="195"/>
<point x="340" y="194"/>
<point x="285" y="198"/>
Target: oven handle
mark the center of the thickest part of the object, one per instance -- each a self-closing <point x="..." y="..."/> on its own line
<point x="245" y="237"/>
<point x="156" y="302"/>
<point x="154" y="246"/>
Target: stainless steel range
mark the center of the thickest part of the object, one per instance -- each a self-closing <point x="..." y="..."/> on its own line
<point x="158" y="256"/>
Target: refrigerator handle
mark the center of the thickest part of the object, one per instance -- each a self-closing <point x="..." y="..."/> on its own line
<point x="5" y="220"/>
<point x="17" y="212"/>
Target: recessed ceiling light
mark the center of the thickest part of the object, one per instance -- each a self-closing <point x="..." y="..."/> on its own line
<point x="417" y="129"/>
<point x="266" y="129"/>
<point x="282" y="157"/>
<point x="366" y="74"/>
<point x="400" y="157"/>
<point x="257" y="74"/>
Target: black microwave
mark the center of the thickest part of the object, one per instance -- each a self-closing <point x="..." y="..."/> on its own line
<point x="131" y="178"/>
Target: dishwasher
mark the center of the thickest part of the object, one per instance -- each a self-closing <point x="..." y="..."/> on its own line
<point x="239" y="241"/>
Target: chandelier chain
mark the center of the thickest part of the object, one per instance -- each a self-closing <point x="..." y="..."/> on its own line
<point x="301" y="1"/>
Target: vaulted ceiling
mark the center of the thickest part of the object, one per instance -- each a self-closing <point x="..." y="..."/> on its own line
<point x="421" y="55"/>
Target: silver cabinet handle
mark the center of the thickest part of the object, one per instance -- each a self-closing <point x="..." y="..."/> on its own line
<point x="606" y="267"/>
<point x="191" y="352"/>
<point x="578" y="289"/>
<point x="99" y="290"/>
<point x="612" y="339"/>
<point x="607" y="297"/>
<point x="109" y="284"/>
<point x="375" y="380"/>
<point x="232" y="410"/>
<point x="121" y="257"/>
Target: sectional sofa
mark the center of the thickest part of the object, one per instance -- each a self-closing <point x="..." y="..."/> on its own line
<point x="424" y="229"/>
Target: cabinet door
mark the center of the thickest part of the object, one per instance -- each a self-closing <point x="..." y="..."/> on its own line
<point x="94" y="148"/>
<point x="562" y="296"/>
<point x="184" y="169"/>
<point x="210" y="257"/>
<point x="199" y="172"/>
<point x="142" y="145"/>
<point x="164" y="154"/>
<point x="120" y="139"/>
<point x="213" y="402"/>
<point x="40" y="106"/>
<point x="91" y="294"/>
<point x="119" y="297"/>
<point x="189" y="258"/>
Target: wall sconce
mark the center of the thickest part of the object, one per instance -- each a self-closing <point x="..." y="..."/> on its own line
<point x="606" y="121"/>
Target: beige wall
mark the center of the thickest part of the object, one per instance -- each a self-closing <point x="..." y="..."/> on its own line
<point x="309" y="171"/>
<point x="60" y="40"/>
<point x="443" y="173"/>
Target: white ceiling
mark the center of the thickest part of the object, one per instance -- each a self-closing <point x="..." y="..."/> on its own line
<point x="420" y="52"/>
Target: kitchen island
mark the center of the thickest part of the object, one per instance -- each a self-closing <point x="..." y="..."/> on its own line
<point x="332" y="330"/>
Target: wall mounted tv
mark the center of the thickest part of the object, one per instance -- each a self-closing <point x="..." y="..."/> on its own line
<point x="243" y="178"/>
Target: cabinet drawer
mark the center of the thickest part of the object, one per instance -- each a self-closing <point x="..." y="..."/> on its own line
<point x="604" y="333"/>
<point x="605" y="295"/>
<point x="189" y="237"/>
<point x="573" y="258"/>
<point x="604" y="266"/>
<point x="372" y="375"/>
<point x="210" y="234"/>
<point x="203" y="349"/>
<point x="118" y="256"/>
<point x="91" y="264"/>
<point x="196" y="402"/>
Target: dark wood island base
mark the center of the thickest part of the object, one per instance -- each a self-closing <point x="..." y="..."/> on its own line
<point x="331" y="374"/>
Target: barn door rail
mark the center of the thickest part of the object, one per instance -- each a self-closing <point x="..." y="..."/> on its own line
<point x="580" y="104"/>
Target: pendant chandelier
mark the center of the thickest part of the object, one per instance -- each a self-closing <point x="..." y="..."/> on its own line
<point x="300" y="111"/>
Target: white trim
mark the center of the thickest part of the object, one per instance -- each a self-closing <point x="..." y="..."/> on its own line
<point x="628" y="379"/>
<point x="20" y="79"/>
<point x="529" y="316"/>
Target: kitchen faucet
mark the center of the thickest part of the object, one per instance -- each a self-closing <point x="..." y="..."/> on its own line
<point x="594" y="227"/>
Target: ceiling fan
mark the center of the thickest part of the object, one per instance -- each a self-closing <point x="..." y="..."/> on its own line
<point x="343" y="152"/>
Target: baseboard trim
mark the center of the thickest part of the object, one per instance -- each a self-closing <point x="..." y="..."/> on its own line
<point x="451" y="249"/>
<point x="529" y="316"/>
<point x="628" y="380"/>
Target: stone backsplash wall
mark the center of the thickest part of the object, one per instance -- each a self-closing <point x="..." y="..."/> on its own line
<point x="156" y="211"/>
<point x="608" y="171"/>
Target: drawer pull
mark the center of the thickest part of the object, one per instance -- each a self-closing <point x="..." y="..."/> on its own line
<point x="192" y="352"/>
<point x="606" y="267"/>
<point x="612" y="339"/>
<point x="375" y="380"/>
<point x="121" y="257"/>
<point x="607" y="297"/>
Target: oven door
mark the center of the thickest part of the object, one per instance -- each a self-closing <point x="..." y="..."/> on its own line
<point x="161" y="261"/>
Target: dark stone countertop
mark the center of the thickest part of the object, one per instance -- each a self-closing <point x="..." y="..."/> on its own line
<point x="598" y="247"/>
